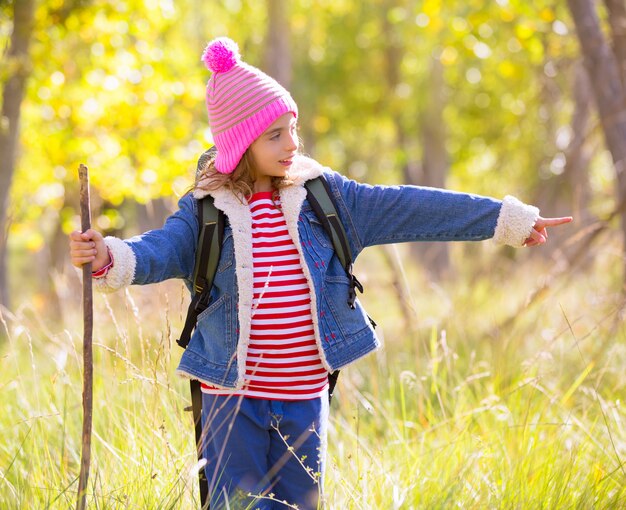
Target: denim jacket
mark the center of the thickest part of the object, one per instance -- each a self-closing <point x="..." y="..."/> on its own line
<point x="371" y="215"/>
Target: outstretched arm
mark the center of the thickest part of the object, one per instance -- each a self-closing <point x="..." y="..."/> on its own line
<point x="539" y="233"/>
<point x="393" y="214"/>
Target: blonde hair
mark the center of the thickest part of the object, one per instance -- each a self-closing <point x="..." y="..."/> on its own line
<point x="240" y="181"/>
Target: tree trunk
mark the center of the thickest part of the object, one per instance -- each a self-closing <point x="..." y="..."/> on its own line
<point x="435" y="160"/>
<point x="151" y="215"/>
<point x="12" y="96"/>
<point x="617" y="21"/>
<point x="434" y="257"/>
<point x="433" y="169"/>
<point x="570" y="193"/>
<point x="277" y="58"/>
<point x="578" y="154"/>
<point x="604" y="74"/>
<point x="576" y="196"/>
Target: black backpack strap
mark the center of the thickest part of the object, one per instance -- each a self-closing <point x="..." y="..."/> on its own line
<point x="211" y="223"/>
<point x="319" y="196"/>
<point x="211" y="234"/>
<point x="196" y="407"/>
<point x="332" y="382"/>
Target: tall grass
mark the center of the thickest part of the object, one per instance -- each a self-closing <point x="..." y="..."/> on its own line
<point x="477" y="401"/>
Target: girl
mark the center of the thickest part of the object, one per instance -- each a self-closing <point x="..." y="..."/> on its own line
<point x="278" y="319"/>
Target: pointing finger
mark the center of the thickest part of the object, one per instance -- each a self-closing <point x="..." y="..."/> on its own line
<point x="551" y="222"/>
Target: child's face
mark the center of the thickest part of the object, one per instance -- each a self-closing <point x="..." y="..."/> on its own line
<point x="272" y="153"/>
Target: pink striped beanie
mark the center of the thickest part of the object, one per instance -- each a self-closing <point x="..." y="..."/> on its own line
<point x="242" y="102"/>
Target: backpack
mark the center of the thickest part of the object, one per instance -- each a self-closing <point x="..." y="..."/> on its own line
<point x="212" y="222"/>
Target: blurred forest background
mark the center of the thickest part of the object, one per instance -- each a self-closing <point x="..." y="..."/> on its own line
<point x="491" y="98"/>
<point x="505" y="371"/>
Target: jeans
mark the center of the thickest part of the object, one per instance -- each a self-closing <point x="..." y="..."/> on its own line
<point x="261" y="452"/>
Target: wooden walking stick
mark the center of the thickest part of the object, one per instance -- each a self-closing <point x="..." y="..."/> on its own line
<point x="85" y="218"/>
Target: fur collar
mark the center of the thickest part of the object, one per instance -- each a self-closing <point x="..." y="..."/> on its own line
<point x="238" y="213"/>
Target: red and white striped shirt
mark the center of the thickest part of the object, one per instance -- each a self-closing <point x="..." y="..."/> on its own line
<point x="283" y="362"/>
